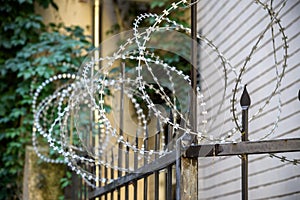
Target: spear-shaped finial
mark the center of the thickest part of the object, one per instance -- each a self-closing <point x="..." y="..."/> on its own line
<point x="245" y="99"/>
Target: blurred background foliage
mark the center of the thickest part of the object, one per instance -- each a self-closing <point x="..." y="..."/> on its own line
<point x="30" y="52"/>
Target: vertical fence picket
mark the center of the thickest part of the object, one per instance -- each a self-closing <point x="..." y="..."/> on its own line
<point x="121" y="110"/>
<point x="127" y="167"/>
<point x="112" y="173"/>
<point x="135" y="183"/>
<point x="245" y="103"/>
<point x="146" y="146"/>
<point x="79" y="191"/>
<point x="169" y="168"/>
<point x="101" y="176"/>
<point x="106" y="177"/>
<point x="156" y="174"/>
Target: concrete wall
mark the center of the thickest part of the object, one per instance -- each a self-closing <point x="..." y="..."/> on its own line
<point x="41" y="180"/>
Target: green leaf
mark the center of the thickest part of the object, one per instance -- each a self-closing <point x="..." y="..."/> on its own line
<point x="157" y="3"/>
<point x="30" y="53"/>
<point x="17" y="112"/>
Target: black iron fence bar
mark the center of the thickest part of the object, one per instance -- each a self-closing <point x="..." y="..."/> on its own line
<point x="156" y="174"/>
<point x="127" y="166"/>
<point x="106" y="176"/>
<point x="248" y="147"/>
<point x="84" y="188"/>
<point x="146" y="142"/>
<point x="140" y="173"/>
<point x="112" y="174"/>
<point x="168" y="183"/>
<point x="75" y="186"/>
<point x="135" y="183"/>
<point x="120" y="151"/>
<point x="245" y="104"/>
<point x="178" y="169"/>
<point x="194" y="58"/>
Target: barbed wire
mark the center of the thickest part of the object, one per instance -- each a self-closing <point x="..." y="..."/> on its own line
<point x="64" y="119"/>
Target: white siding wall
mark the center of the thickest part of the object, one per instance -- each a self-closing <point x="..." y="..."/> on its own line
<point x="234" y="26"/>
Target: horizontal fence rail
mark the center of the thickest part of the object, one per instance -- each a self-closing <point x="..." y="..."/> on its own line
<point x="257" y="147"/>
<point x="195" y="151"/>
<point x="140" y="173"/>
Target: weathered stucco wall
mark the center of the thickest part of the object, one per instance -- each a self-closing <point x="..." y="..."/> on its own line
<point x="41" y="180"/>
<point x="71" y="12"/>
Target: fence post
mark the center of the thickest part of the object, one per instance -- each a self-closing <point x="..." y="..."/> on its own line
<point x="178" y="169"/>
<point x="245" y="104"/>
<point x="187" y="168"/>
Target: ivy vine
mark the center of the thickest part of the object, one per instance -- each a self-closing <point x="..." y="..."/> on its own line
<point x="30" y="52"/>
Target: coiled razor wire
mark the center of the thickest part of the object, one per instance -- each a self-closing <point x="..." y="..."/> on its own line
<point x="75" y="113"/>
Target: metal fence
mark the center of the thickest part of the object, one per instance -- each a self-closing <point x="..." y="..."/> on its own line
<point x="172" y="169"/>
